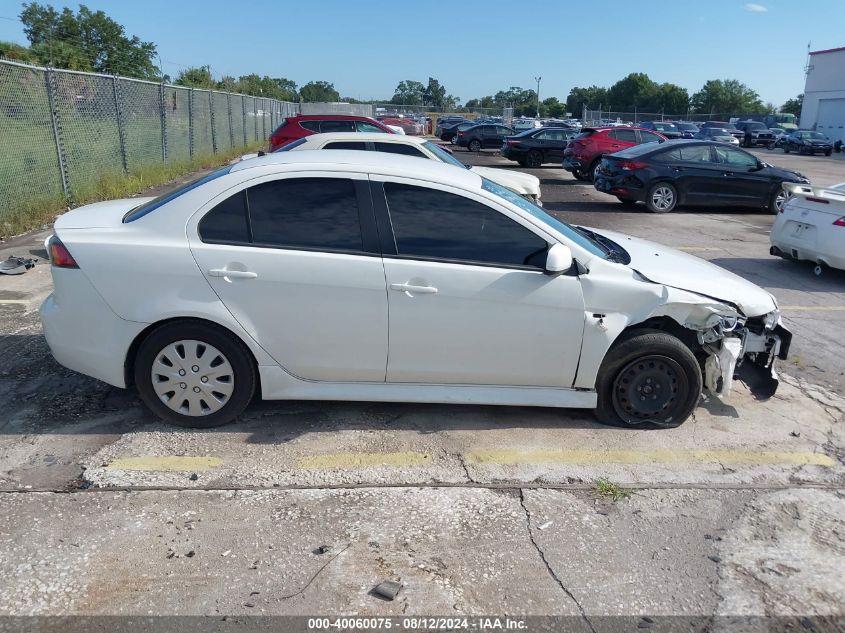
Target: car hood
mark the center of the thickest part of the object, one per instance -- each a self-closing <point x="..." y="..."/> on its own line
<point x="668" y="266"/>
<point x="514" y="180"/>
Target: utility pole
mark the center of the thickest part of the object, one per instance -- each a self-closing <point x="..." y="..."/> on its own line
<point x="537" y="79"/>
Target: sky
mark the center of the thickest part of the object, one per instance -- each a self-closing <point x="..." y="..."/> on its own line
<point x="476" y="48"/>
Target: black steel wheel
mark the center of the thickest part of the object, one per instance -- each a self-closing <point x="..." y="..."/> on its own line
<point x="648" y="376"/>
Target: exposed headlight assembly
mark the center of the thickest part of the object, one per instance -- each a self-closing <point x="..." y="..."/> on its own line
<point x="771" y="319"/>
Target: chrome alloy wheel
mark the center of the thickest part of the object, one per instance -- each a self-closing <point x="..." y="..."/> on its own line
<point x="192" y="378"/>
<point x="663" y="198"/>
<point x="780" y="200"/>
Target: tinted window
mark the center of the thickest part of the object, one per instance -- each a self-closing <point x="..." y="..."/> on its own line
<point x="399" y="148"/>
<point x="649" y="137"/>
<point x="337" y="126"/>
<point x="503" y="131"/>
<point x="314" y="126"/>
<point x="440" y="225"/>
<point x="226" y="222"/>
<point x="363" y="126"/>
<point x="359" y="145"/>
<point x="289" y="146"/>
<point x="626" y="136"/>
<point x="320" y="213"/>
<point x="690" y="153"/>
<point x="730" y="156"/>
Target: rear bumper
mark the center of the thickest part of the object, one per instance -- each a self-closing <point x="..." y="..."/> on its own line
<point x="625" y="186"/>
<point x="570" y="163"/>
<point x="512" y="153"/>
<point x="82" y="331"/>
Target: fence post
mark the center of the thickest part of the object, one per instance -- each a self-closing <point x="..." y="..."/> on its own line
<point x="264" y="117"/>
<point x="121" y="132"/>
<point x="213" y="131"/>
<point x="163" y="108"/>
<point x="49" y="77"/>
<point x="229" y="113"/>
<point x="191" y="122"/>
<point x="243" y="116"/>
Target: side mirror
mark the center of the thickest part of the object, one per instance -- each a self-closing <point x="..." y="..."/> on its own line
<point x="558" y="260"/>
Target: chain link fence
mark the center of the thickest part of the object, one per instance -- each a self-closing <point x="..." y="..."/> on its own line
<point x="607" y="117"/>
<point x="63" y="133"/>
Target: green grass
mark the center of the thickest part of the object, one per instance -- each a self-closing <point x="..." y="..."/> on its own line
<point x="609" y="490"/>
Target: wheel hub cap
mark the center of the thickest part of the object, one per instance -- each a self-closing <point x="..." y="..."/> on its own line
<point x="663" y="198"/>
<point x="192" y="378"/>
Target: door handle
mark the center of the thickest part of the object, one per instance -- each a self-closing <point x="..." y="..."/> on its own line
<point x="677" y="169"/>
<point x="727" y="173"/>
<point x="232" y="274"/>
<point x="410" y="289"/>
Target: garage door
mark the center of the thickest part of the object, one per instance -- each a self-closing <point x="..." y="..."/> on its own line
<point x="831" y="118"/>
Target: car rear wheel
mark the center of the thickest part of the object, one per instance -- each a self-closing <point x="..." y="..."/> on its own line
<point x="194" y="374"/>
<point x="534" y="159"/>
<point x="661" y="198"/>
<point x="474" y="145"/>
<point x="578" y="175"/>
<point x="593" y="168"/>
<point x="648" y="376"/>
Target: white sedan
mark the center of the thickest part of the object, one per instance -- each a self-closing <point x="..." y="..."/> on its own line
<point x="517" y="181"/>
<point x="351" y="275"/>
<point x="811" y="226"/>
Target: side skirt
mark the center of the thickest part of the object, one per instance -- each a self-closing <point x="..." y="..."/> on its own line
<point x="276" y="384"/>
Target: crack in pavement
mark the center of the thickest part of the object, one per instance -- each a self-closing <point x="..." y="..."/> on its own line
<point x="548" y="566"/>
<point x="314" y="577"/>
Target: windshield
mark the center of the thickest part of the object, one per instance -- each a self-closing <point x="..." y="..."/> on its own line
<point x="687" y="126"/>
<point x="570" y="232"/>
<point x="289" y="146"/>
<point x="715" y="131"/>
<point x="816" y="135"/>
<point x="442" y="154"/>
<point x="665" y="127"/>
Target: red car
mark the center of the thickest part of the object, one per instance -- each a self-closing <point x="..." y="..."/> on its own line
<point x="295" y="127"/>
<point x="583" y="153"/>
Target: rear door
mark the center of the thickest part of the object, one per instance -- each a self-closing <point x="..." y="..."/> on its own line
<point x="469" y="301"/>
<point x="296" y="261"/>
<point x="697" y="176"/>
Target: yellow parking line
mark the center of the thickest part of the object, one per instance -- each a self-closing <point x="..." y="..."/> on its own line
<point x="648" y="456"/>
<point x="166" y="463"/>
<point x="698" y="248"/>
<point x="14" y="302"/>
<point x="353" y="460"/>
<point x="814" y="308"/>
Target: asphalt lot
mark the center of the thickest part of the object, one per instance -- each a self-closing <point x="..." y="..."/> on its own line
<point x="475" y="510"/>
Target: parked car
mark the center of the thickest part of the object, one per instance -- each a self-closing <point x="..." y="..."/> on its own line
<point x="755" y="134"/>
<point x="295" y="127"/>
<point x="717" y="134"/>
<point x="583" y="154"/>
<point x="275" y="277"/>
<point x="778" y="137"/>
<point x="408" y="126"/>
<point x="723" y="125"/>
<point x="665" y="128"/>
<point x="532" y="148"/>
<point x="525" y="185"/>
<point x="449" y="130"/>
<point x="687" y="129"/>
<point x="694" y="173"/>
<point x="479" y="136"/>
<point x="807" y="142"/>
<point x="811" y="226"/>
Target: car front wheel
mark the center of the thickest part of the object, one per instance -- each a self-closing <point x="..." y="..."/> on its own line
<point x="648" y="376"/>
<point x="194" y="374"/>
<point x="661" y="198"/>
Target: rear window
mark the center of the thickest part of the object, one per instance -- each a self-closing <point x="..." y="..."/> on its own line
<point x="289" y="146"/>
<point x="585" y="134"/>
<point x="148" y="207"/>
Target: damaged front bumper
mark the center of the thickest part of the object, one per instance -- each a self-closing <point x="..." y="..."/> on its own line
<point x="749" y="351"/>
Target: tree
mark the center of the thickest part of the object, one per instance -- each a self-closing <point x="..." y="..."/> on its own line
<point x="408" y="92"/>
<point x="793" y="106"/>
<point x="434" y="94"/>
<point x="727" y="96"/>
<point x="88" y="38"/>
<point x="673" y="99"/>
<point x="552" y="107"/>
<point x="196" y="78"/>
<point x="636" y="91"/>
<point x="319" y="91"/>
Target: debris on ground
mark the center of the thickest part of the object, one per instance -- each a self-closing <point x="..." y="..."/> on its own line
<point x="387" y="589"/>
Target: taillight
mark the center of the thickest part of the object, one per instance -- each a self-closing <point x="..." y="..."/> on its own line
<point x="510" y="142"/>
<point x="840" y="221"/>
<point x="461" y="133"/>
<point x="631" y="165"/>
<point x="59" y="254"/>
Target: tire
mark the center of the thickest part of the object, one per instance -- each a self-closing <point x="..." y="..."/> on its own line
<point x="661" y="198"/>
<point x="648" y="376"/>
<point x="627" y="201"/>
<point x="474" y="145"/>
<point x="786" y="149"/>
<point x="578" y="175"/>
<point x="521" y="162"/>
<point x="770" y="145"/>
<point x="185" y="345"/>
<point x="534" y="159"/>
<point x="828" y="152"/>
<point x="452" y="138"/>
<point x="778" y="199"/>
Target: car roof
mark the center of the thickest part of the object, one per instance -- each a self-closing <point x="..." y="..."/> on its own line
<point x="364" y="136"/>
<point x="330" y="117"/>
<point x="343" y="160"/>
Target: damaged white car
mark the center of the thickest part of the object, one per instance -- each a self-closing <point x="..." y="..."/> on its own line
<point x="351" y="275"/>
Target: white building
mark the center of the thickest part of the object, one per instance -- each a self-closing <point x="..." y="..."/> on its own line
<point x="824" y="94"/>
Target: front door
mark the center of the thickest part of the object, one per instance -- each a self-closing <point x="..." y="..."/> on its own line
<point x="468" y="299"/>
<point x="743" y="183"/>
<point x="296" y="262"/>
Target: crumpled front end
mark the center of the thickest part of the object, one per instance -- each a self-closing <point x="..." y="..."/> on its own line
<point x="736" y="346"/>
